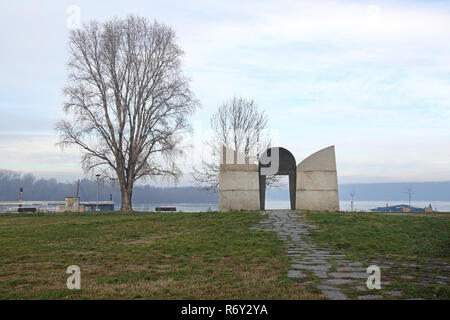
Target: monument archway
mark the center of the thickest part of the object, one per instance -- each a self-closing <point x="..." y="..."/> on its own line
<point x="277" y="161"/>
<point x="313" y="184"/>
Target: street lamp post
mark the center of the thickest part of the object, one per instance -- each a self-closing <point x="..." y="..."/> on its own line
<point x="98" y="177"/>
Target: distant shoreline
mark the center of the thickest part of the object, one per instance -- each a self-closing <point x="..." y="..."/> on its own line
<point x="345" y="205"/>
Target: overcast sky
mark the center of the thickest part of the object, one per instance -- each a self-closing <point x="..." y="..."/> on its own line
<point x="371" y="78"/>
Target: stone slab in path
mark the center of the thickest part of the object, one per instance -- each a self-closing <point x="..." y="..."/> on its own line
<point x="319" y="267"/>
<point x="295" y="274"/>
<point x="357" y="275"/>
<point x="370" y="297"/>
<point x="334" y="295"/>
<point x="338" y="281"/>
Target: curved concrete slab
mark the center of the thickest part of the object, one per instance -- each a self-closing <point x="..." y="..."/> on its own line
<point x="324" y="159"/>
<point x="317" y="188"/>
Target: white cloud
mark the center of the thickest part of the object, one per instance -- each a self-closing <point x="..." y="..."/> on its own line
<point x="37" y="153"/>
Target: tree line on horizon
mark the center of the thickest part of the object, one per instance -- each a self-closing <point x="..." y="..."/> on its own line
<point x="35" y="189"/>
<point x="52" y="190"/>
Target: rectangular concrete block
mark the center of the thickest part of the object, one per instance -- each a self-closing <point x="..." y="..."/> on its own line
<point x="317" y="180"/>
<point x="239" y="199"/>
<point x="238" y="187"/>
<point x="239" y="180"/>
<point x="316" y="200"/>
<point x="238" y="167"/>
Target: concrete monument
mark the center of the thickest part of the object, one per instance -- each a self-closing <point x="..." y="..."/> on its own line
<point x="312" y="183"/>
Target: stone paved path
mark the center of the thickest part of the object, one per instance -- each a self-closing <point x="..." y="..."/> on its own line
<point x="329" y="272"/>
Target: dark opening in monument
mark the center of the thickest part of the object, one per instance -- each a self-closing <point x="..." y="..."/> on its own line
<point x="277" y="161"/>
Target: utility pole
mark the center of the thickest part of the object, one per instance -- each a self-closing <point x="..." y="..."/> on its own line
<point x="409" y="192"/>
<point x="20" y="196"/>
<point x="352" y="194"/>
<point x="78" y="198"/>
<point x="98" y="177"/>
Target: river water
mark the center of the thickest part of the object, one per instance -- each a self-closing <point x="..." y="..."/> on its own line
<point x="272" y="204"/>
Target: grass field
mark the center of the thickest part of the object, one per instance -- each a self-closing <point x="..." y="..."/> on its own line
<point x="143" y="255"/>
<point x="416" y="247"/>
<point x="202" y="255"/>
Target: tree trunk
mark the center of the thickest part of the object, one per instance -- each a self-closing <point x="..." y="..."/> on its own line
<point x="126" y="199"/>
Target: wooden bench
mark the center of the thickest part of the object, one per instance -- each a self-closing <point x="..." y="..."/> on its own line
<point x="159" y="209"/>
<point x="26" y="210"/>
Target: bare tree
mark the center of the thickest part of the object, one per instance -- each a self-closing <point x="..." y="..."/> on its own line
<point x="239" y="125"/>
<point x="126" y="100"/>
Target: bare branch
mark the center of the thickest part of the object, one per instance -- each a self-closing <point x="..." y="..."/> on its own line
<point x="126" y="100"/>
<point x="239" y="125"/>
